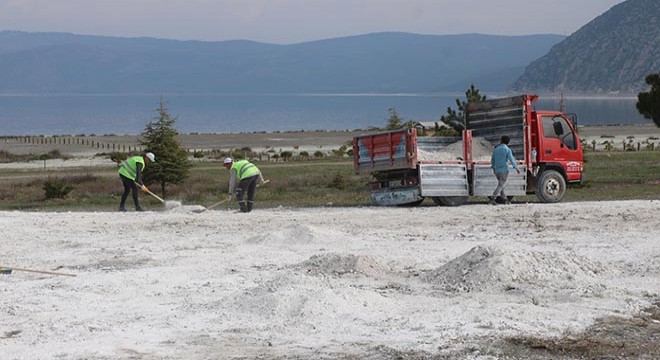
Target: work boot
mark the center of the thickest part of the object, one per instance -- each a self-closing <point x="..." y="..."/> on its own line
<point x="122" y="209"/>
<point x="139" y="208"/>
<point x="491" y="200"/>
<point x="243" y="206"/>
<point x="249" y="206"/>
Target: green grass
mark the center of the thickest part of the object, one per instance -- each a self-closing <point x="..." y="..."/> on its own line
<point x="619" y="176"/>
<point x="329" y="182"/>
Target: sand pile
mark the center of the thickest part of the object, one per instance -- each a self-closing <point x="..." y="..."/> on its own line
<point x="481" y="151"/>
<point x="339" y="265"/>
<point x="289" y="299"/>
<point x="489" y="268"/>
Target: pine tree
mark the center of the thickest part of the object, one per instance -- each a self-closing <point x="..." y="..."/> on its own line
<point x="159" y="136"/>
<point x="456" y="119"/>
<point x="394" y="121"/>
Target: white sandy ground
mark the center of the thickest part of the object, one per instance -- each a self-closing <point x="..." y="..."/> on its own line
<point x="319" y="283"/>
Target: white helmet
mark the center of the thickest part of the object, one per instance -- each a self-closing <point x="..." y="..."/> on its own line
<point x="151" y="156"/>
<point x="228" y="160"/>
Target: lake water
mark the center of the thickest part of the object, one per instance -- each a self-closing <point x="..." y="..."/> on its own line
<point x="220" y="113"/>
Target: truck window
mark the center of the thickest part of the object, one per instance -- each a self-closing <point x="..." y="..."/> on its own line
<point x="557" y="127"/>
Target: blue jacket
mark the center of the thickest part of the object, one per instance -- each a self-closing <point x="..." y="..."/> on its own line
<point x="500" y="158"/>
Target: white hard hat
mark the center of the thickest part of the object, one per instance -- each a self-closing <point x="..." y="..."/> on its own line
<point x="228" y="160"/>
<point x="151" y="156"/>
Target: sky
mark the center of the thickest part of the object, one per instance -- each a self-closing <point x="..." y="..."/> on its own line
<point x="294" y="21"/>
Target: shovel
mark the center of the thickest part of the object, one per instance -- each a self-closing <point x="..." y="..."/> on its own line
<point x="223" y="201"/>
<point x="168" y="204"/>
<point x="213" y="205"/>
<point x="7" y="270"/>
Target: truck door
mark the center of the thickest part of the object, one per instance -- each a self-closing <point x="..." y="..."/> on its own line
<point x="561" y="145"/>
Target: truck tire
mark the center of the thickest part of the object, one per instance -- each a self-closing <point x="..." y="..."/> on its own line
<point x="450" y="200"/>
<point x="551" y="187"/>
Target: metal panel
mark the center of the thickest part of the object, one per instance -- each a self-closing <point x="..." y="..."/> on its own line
<point x="443" y="180"/>
<point x="389" y="197"/>
<point x="383" y="151"/>
<point x="492" y="119"/>
<point x="485" y="181"/>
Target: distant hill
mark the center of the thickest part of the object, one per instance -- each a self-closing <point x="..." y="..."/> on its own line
<point x="611" y="54"/>
<point x="379" y="62"/>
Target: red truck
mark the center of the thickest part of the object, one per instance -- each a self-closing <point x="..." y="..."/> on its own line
<point x="408" y="168"/>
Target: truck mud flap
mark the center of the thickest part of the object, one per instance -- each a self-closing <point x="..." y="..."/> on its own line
<point x="443" y="180"/>
<point x="485" y="181"/>
<point x="394" y="197"/>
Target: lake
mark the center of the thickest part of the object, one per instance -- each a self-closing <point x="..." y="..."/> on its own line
<point x="222" y="113"/>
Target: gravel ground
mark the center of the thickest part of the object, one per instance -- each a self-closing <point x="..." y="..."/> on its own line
<point x="524" y="281"/>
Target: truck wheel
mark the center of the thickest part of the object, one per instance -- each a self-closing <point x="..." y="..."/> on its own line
<point x="450" y="200"/>
<point x="550" y="187"/>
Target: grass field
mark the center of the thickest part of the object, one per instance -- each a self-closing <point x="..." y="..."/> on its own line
<point x="328" y="182"/>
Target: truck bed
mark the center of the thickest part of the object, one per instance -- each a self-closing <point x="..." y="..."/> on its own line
<point x="402" y="149"/>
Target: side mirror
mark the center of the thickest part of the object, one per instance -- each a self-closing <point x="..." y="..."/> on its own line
<point x="559" y="130"/>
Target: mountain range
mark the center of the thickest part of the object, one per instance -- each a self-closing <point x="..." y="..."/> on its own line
<point x="611" y="54"/>
<point x="372" y="63"/>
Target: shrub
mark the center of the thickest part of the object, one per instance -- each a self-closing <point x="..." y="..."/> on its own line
<point x="118" y="157"/>
<point x="339" y="182"/>
<point x="286" y="155"/>
<point x="57" y="188"/>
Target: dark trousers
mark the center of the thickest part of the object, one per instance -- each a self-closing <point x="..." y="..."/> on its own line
<point x="129" y="186"/>
<point x="247" y="186"/>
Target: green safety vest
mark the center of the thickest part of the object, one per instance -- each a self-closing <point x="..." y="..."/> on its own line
<point x="244" y="169"/>
<point x="129" y="167"/>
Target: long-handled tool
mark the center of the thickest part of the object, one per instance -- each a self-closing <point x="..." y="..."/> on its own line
<point x="212" y="206"/>
<point x="144" y="188"/>
<point x="35" y="271"/>
<point x="168" y="204"/>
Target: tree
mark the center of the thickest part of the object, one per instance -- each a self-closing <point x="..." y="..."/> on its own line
<point x="648" y="103"/>
<point x="456" y="119"/>
<point x="394" y="121"/>
<point x="286" y="155"/>
<point x="159" y="136"/>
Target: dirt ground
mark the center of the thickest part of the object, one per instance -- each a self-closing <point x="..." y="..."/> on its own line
<point x="523" y="281"/>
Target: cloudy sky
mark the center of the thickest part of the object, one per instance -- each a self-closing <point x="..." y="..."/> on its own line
<point x="292" y="21"/>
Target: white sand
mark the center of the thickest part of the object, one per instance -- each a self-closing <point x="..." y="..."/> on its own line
<point x="320" y="282"/>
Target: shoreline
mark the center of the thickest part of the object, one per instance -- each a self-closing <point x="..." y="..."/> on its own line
<point x="276" y="141"/>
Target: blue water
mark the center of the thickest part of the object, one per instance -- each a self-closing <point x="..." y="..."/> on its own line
<point x="218" y="113"/>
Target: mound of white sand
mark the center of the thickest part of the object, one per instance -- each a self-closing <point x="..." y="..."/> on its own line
<point x="495" y="269"/>
<point x="338" y="265"/>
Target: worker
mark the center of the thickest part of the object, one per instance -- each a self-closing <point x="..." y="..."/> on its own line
<point x="130" y="173"/>
<point x="500" y="159"/>
<point x="243" y="178"/>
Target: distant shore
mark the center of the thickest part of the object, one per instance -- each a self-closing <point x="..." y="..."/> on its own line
<point x="292" y="141"/>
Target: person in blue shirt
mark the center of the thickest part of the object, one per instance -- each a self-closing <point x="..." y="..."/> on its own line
<point x="500" y="160"/>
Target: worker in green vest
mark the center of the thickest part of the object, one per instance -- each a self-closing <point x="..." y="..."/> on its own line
<point x="243" y="178"/>
<point x="130" y="173"/>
